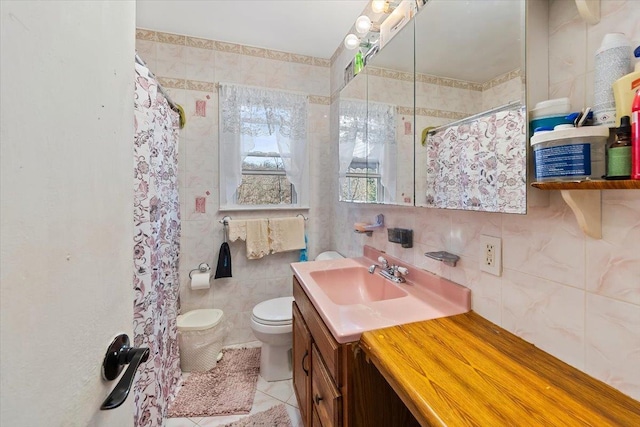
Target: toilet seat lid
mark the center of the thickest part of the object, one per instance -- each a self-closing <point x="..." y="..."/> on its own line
<point x="275" y="311"/>
<point x="198" y="320"/>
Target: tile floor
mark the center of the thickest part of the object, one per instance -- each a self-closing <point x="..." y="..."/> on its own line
<point x="268" y="394"/>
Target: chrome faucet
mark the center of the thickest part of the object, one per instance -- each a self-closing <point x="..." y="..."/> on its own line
<point x="382" y="261"/>
<point x="392" y="272"/>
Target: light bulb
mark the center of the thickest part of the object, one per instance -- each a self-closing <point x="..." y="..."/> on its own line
<point x="351" y="41"/>
<point x="378" y="6"/>
<point x="363" y="24"/>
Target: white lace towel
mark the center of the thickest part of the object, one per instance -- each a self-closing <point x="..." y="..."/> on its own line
<point x="257" y="238"/>
<point x="286" y="234"/>
<point x="237" y="230"/>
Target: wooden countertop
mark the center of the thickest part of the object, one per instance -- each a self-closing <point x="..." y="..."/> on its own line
<point x="465" y="370"/>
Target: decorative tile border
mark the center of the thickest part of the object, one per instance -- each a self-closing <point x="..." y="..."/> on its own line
<point x="157" y="36"/>
<point x="142" y="34"/>
<point x="321" y="100"/>
<point x="171" y="38"/>
<point x="172" y="83"/>
<point x="502" y="79"/>
<point x="453" y="115"/>
<point x="442" y="114"/>
<point x="199" y="86"/>
<point x="445" y="81"/>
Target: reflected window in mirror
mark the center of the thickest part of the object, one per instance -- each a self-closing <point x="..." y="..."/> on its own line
<point x="367" y="142"/>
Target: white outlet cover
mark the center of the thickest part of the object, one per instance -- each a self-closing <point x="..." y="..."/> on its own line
<point x="496" y="243"/>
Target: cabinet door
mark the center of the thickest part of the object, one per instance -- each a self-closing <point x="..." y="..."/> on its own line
<point x="302" y="365"/>
<point x="315" y="420"/>
<point x="327" y="400"/>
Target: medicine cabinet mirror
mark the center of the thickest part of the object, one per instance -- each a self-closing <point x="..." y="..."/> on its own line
<point x="376" y="127"/>
<point x="471" y="140"/>
<point x="453" y="61"/>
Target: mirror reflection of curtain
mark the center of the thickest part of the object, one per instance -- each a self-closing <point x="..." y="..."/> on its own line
<point x="479" y="165"/>
<point x="368" y="131"/>
<point x="247" y="113"/>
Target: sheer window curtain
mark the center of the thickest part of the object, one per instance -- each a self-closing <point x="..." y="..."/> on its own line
<point x="244" y="112"/>
<point x="372" y="123"/>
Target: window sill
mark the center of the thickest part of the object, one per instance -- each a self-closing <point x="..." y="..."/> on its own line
<point x="262" y="208"/>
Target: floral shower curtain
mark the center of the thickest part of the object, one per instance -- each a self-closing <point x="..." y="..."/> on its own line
<point x="156" y="248"/>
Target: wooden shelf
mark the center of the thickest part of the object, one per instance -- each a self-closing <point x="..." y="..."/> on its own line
<point x="584" y="198"/>
<point x="623" y="184"/>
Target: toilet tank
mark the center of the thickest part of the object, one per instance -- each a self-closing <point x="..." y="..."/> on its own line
<point x="328" y="255"/>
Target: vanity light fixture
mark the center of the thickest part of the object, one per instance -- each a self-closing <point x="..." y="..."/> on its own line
<point x="351" y="41"/>
<point x="381" y="6"/>
<point x="363" y="24"/>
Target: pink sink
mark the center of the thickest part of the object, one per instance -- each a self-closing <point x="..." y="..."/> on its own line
<point x="355" y="285"/>
<point x="352" y="301"/>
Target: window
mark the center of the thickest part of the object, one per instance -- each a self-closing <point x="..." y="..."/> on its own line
<point x="264" y="180"/>
<point x="263" y="148"/>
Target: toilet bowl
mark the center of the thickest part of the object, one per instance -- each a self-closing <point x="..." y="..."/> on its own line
<point x="271" y="322"/>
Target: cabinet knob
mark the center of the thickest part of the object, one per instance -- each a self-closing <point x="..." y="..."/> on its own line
<point x="317" y="399"/>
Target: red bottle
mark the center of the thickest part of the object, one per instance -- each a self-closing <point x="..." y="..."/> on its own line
<point x="635" y="137"/>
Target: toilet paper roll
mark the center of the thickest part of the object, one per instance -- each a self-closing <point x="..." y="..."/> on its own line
<point x="200" y="280"/>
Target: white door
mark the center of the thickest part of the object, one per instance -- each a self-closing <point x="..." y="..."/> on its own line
<point x="66" y="207"/>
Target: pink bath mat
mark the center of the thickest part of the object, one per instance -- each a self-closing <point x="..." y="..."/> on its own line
<point x="227" y="389"/>
<point x="273" y="417"/>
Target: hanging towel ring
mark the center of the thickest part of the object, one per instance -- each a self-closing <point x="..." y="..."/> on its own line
<point x="303" y="217"/>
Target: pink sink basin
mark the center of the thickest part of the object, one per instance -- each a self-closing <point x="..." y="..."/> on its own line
<point x="352" y="301"/>
<point x="355" y="285"/>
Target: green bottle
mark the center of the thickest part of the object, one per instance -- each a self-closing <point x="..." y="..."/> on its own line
<point x="619" y="153"/>
<point x="358" y="63"/>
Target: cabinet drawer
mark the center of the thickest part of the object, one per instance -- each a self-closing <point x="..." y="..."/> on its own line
<point x="327" y="401"/>
<point x="328" y="347"/>
<point x="315" y="420"/>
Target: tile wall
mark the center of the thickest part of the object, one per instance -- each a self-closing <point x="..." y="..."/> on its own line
<point x="575" y="297"/>
<point x="189" y="68"/>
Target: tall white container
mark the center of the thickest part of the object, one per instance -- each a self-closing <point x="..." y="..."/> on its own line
<point x="613" y="60"/>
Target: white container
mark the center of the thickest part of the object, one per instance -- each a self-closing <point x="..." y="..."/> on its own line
<point x="201" y="334"/>
<point x="612" y="61"/>
<point x="570" y="154"/>
<point x="551" y="107"/>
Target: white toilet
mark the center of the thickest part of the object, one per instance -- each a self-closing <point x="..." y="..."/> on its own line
<point x="272" y="324"/>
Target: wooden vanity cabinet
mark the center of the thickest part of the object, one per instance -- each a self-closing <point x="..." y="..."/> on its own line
<point x="335" y="384"/>
<point x="321" y="366"/>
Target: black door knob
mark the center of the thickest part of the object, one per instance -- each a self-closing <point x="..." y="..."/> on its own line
<point x="118" y="355"/>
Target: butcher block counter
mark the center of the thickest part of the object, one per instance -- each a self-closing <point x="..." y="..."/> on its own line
<point x="465" y="370"/>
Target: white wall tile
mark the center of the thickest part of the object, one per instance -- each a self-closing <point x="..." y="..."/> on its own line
<point x="545" y="313"/>
<point x="613" y="343"/>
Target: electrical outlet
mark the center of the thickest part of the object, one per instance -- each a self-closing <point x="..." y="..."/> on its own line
<point x="491" y="254"/>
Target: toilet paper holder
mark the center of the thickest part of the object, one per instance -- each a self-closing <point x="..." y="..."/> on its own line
<point x="202" y="268"/>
